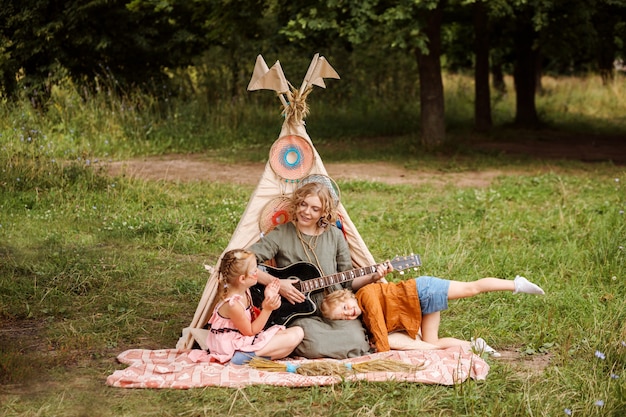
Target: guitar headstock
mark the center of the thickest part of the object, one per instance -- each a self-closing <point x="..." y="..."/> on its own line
<point x="401" y="263"/>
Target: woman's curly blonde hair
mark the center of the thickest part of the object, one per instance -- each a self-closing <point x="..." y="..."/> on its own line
<point x="329" y="214"/>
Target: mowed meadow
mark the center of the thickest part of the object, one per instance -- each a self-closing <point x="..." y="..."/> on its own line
<point x="93" y="264"/>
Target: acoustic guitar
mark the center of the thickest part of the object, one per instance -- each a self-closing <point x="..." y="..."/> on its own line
<point x="309" y="279"/>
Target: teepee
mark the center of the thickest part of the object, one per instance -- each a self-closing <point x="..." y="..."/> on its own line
<point x="293" y="159"/>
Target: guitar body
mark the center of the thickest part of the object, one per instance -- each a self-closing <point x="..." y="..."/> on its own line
<point x="301" y="271"/>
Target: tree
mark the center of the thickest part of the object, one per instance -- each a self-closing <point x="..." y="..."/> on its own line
<point x="409" y="25"/>
<point x="609" y="44"/>
<point x="526" y="55"/>
<point x="432" y="112"/>
<point x="482" y="94"/>
<point x="571" y="35"/>
<point x="131" y="43"/>
<point x="26" y="28"/>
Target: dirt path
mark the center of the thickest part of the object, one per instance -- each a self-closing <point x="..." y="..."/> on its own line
<point x="201" y="168"/>
<point x="544" y="145"/>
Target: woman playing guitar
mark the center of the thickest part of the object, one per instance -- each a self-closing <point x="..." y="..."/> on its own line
<point x="311" y="237"/>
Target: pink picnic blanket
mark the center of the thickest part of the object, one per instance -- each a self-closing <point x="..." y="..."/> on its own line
<point x="172" y="368"/>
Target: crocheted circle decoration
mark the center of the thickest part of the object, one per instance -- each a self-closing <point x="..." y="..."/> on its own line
<point x="275" y="212"/>
<point x="328" y="182"/>
<point x="291" y="157"/>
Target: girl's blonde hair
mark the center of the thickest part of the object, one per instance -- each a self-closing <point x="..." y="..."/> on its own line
<point x="331" y="301"/>
<point x="323" y="193"/>
<point x="234" y="263"/>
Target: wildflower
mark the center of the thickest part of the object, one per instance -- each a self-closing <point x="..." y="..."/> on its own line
<point x="613" y="376"/>
<point x="623" y="343"/>
<point x="599" y="403"/>
<point x="616" y="179"/>
<point x="568" y="411"/>
<point x="600" y="355"/>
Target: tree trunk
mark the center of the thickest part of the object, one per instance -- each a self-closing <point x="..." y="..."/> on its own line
<point x="524" y="75"/>
<point x="538" y="73"/>
<point x="482" y="100"/>
<point x="432" y="115"/>
<point x="498" y="77"/>
<point x="606" y="57"/>
<point x="607" y="19"/>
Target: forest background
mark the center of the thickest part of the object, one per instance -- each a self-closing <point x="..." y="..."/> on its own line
<point x="92" y="263"/>
<point x="391" y="54"/>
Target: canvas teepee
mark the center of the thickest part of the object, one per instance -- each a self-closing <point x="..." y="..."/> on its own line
<point x="292" y="158"/>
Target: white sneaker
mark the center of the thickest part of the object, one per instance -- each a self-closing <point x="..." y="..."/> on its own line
<point x="479" y="346"/>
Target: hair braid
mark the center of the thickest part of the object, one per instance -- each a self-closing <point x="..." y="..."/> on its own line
<point x="232" y="265"/>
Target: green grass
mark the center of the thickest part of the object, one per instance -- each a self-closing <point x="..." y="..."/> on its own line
<point x="92" y="271"/>
<point x="92" y="265"/>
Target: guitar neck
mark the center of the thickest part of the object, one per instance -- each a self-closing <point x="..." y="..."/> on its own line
<point x="313" y="284"/>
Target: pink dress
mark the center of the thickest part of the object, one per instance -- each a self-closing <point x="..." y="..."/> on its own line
<point x="224" y="338"/>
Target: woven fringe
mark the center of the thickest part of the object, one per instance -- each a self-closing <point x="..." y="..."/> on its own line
<point x="334" y="368"/>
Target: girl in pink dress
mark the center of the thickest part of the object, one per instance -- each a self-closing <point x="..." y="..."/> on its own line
<point x="236" y="332"/>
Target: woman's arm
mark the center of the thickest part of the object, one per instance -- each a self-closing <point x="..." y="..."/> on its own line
<point x="378" y="276"/>
<point x="344" y="263"/>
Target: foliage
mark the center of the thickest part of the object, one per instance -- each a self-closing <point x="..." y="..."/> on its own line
<point x="138" y="42"/>
<point x="41" y="39"/>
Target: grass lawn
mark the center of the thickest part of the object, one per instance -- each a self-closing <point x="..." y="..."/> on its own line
<point x="107" y="264"/>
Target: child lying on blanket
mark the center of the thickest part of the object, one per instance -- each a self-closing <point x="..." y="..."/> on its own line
<point x="414" y="306"/>
<point x="236" y="332"/>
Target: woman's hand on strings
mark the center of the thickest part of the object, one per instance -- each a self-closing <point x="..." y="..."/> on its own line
<point x="289" y="292"/>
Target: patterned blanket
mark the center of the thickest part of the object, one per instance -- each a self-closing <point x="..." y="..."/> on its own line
<point x="173" y="368"/>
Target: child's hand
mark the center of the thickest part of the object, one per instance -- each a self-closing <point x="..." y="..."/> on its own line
<point x="272" y="288"/>
<point x="271" y="303"/>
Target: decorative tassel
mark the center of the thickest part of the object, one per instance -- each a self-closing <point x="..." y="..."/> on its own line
<point x="298" y="108"/>
<point x="333" y="368"/>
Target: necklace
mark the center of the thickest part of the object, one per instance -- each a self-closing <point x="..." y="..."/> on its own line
<point x="311" y="244"/>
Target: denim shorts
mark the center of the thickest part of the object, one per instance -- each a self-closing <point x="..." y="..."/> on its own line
<point x="433" y="293"/>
